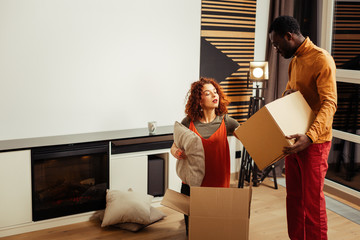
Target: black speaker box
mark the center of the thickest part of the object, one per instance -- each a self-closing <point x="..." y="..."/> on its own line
<point x="156" y="176"/>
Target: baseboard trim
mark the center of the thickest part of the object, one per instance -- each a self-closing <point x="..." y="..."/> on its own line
<point x="345" y="193"/>
<point x="55" y="222"/>
<point x="44" y="224"/>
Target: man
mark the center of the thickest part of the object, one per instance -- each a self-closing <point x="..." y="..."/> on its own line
<point x="312" y="72"/>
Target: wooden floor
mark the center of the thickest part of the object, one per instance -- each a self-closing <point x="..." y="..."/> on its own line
<point x="267" y="221"/>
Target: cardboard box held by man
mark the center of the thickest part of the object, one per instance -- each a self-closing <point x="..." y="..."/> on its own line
<point x="263" y="134"/>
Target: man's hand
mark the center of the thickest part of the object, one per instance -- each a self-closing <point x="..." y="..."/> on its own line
<point x="301" y="142"/>
<point x="289" y="91"/>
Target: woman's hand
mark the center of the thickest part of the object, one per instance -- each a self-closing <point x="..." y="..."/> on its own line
<point x="178" y="153"/>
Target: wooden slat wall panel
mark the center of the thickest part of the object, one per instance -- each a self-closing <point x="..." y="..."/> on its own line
<point x="346" y="38"/>
<point x="229" y="26"/>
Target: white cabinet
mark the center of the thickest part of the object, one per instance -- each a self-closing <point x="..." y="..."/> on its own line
<point x="15" y="188"/>
<point x="129" y="171"/>
<point x="174" y="180"/>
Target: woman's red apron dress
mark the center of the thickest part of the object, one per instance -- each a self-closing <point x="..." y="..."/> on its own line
<point x="217" y="157"/>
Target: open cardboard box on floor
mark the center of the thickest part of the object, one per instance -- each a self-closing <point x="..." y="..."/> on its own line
<point x="263" y="134"/>
<point x="214" y="213"/>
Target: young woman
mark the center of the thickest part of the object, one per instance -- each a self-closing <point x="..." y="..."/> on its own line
<point x="205" y="111"/>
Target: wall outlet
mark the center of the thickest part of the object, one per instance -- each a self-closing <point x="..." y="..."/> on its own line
<point x="238" y="154"/>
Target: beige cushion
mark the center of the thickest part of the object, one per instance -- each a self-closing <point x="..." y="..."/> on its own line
<point x="192" y="169"/>
<point x="155" y="215"/>
<point x="126" y="206"/>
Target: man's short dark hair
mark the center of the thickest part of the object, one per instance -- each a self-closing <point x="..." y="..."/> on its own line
<point x="283" y="24"/>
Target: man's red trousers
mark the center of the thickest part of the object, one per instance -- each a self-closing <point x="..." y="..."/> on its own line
<point x="305" y="203"/>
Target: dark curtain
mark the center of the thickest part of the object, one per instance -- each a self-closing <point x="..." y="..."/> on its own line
<point x="305" y="11"/>
<point x="278" y="66"/>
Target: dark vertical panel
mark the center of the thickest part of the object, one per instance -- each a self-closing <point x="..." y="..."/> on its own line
<point x="305" y="12"/>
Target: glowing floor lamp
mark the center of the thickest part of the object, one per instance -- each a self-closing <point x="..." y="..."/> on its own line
<point x="258" y="76"/>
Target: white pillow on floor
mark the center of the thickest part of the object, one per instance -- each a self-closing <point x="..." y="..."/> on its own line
<point x="155" y="215"/>
<point x="126" y="206"/>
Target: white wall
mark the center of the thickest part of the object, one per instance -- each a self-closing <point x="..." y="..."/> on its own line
<point x="261" y="29"/>
<point x="78" y="66"/>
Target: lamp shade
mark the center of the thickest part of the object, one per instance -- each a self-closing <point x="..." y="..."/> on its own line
<point x="258" y="71"/>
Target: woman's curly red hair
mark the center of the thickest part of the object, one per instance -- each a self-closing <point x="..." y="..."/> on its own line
<point x="193" y="109"/>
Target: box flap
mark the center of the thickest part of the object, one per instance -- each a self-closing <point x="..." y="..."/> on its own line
<point x="262" y="138"/>
<point x="177" y="201"/>
<point x="230" y="203"/>
<point x="297" y="117"/>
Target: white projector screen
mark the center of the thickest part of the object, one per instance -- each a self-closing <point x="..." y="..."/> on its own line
<point x="82" y="66"/>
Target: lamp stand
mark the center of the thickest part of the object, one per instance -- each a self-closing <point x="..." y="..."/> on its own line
<point x="248" y="166"/>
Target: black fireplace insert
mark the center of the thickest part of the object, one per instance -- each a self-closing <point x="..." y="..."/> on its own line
<point x="69" y="179"/>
